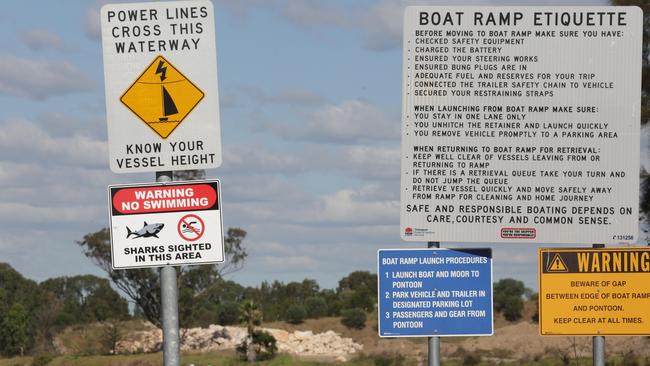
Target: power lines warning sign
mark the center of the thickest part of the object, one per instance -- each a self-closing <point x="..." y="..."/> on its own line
<point x="160" y="78"/>
<point x="162" y="97"/>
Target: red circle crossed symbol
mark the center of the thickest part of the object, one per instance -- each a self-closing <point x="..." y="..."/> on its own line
<point x="191" y="227"/>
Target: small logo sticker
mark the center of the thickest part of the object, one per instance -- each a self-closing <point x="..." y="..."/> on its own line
<point x="518" y="233"/>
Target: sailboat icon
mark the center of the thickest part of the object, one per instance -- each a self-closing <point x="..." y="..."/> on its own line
<point x="169" y="107"/>
<point x="162" y="97"/>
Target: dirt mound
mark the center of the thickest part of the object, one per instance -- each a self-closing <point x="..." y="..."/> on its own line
<point x="215" y="337"/>
<point x="522" y="341"/>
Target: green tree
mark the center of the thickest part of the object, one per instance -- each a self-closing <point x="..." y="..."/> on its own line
<point x="228" y="313"/>
<point x="296" y="314"/>
<point x="508" y="298"/>
<point x="251" y="317"/>
<point x="264" y="344"/>
<point x="354" y="318"/>
<point x="316" y="307"/>
<point x="358" y="290"/>
<point x="15" y="337"/>
<point x="86" y="298"/>
<point x="111" y="335"/>
<point x="196" y="174"/>
<point x="142" y="286"/>
<point x="17" y="289"/>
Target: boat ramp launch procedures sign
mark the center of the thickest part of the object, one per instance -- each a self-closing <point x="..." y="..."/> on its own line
<point x="166" y="224"/>
<point x="594" y="291"/>
<point x="160" y="72"/>
<point x="435" y="292"/>
<point x="521" y="124"/>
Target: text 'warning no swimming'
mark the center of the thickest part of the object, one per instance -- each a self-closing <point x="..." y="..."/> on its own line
<point x="166" y="224"/>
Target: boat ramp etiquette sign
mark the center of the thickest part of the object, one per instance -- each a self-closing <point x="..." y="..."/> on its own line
<point x="166" y="224"/>
<point x="521" y="124"/>
<point x="435" y="292"/>
<point x="600" y="291"/>
<point x="160" y="72"/>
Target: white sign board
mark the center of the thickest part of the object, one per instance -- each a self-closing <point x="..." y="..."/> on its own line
<point x="160" y="72"/>
<point x="521" y="124"/>
<point x="161" y="224"/>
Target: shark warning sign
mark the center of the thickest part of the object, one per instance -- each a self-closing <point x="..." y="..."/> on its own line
<point x="594" y="291"/>
<point x="166" y="224"/>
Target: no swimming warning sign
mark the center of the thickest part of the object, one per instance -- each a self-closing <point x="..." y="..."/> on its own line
<point x="166" y="224"/>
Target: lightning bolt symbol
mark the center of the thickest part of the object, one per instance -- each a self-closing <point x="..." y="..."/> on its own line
<point x="161" y="70"/>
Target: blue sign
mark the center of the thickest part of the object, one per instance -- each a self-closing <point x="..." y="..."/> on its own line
<point x="435" y="292"/>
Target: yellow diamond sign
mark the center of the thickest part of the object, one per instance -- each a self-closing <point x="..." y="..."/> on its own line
<point x="162" y="97"/>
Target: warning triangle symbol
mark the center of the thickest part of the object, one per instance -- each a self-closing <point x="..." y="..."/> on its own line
<point x="557" y="265"/>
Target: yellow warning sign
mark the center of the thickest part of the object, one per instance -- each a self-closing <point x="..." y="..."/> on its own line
<point x="594" y="291"/>
<point x="557" y="265"/>
<point x="162" y="97"/>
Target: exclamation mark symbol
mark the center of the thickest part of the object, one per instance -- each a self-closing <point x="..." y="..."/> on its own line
<point x="557" y="265"/>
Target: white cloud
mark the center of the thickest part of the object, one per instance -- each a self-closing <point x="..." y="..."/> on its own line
<point x="372" y="162"/>
<point x="40" y="79"/>
<point x="295" y="96"/>
<point x="645" y="147"/>
<point x="367" y="206"/>
<point x="28" y="214"/>
<point x="361" y="161"/>
<point x="60" y="124"/>
<point x="380" y="25"/>
<point x="40" y="39"/>
<point x="91" y="24"/>
<point x="256" y="159"/>
<point x="23" y="140"/>
<point x="314" y="13"/>
<point x="350" y="122"/>
<point x="354" y="207"/>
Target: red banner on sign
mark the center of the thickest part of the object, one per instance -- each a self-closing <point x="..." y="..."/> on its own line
<point x="173" y="198"/>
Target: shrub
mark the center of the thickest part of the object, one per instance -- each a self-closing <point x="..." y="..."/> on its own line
<point x="42" y="359"/>
<point x="508" y="298"/>
<point x="353" y="318"/>
<point x="228" y="313"/>
<point x="629" y="359"/>
<point x="296" y="314"/>
<point x="264" y="344"/>
<point x="15" y="335"/>
<point x="471" y="359"/>
<point x="393" y="359"/>
<point x="316" y="307"/>
<point x="110" y="336"/>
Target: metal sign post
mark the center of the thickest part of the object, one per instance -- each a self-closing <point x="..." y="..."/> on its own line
<point x="169" y="294"/>
<point x="598" y="347"/>
<point x="162" y="112"/>
<point x="433" y="342"/>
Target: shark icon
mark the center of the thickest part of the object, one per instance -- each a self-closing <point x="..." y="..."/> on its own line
<point x="146" y="231"/>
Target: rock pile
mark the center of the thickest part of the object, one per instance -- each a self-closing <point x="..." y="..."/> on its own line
<point x="216" y="337"/>
<point x="322" y="344"/>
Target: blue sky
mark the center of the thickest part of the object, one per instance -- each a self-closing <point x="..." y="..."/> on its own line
<point x="310" y="116"/>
